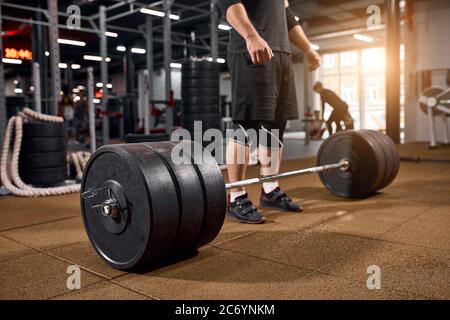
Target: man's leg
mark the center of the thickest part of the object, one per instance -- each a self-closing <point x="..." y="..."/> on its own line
<point x="330" y="125"/>
<point x="333" y="118"/>
<point x="237" y="157"/>
<point x="270" y="155"/>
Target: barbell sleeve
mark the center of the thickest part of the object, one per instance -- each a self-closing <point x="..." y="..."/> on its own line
<point x="343" y="165"/>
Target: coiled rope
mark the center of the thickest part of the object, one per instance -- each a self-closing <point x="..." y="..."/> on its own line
<point x="9" y="166"/>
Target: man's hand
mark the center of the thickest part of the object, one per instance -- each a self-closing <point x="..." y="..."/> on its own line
<point x="258" y="49"/>
<point x="313" y="59"/>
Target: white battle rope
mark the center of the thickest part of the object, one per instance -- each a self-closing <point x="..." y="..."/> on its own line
<point x="9" y="167"/>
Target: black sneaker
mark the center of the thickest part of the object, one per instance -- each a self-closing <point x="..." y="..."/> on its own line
<point x="278" y="199"/>
<point x="243" y="210"/>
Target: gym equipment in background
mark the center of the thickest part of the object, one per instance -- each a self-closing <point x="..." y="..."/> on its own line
<point x="201" y="94"/>
<point x="435" y="103"/>
<point x="42" y="159"/>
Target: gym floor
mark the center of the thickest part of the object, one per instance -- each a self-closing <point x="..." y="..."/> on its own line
<point x="322" y="253"/>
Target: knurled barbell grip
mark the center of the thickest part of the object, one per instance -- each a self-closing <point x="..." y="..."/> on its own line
<point x="343" y="165"/>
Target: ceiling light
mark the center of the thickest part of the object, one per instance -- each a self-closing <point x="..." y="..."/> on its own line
<point x="92" y="58"/>
<point x="111" y="34"/>
<point x="220" y="60"/>
<point x="47" y="53"/>
<point x="18" y="90"/>
<point x="95" y="58"/>
<point x="176" y="65"/>
<point x="138" y="50"/>
<point x="159" y="13"/>
<point x="99" y="85"/>
<point x="97" y="101"/>
<point x="297" y="18"/>
<point x="121" y="48"/>
<point x="75" y="66"/>
<point x="361" y="37"/>
<point x="72" y="42"/>
<point x="62" y="65"/>
<point x="152" y="12"/>
<point x="109" y="85"/>
<point x="224" y="27"/>
<point x="12" y="61"/>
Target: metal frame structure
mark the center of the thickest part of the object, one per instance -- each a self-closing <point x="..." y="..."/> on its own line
<point x="101" y="22"/>
<point x="167" y="35"/>
<point x="54" y="52"/>
<point x="2" y="88"/>
<point x="104" y="73"/>
<point x="36" y="73"/>
<point x="393" y="70"/>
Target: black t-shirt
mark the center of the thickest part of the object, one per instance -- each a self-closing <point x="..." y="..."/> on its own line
<point x="269" y="19"/>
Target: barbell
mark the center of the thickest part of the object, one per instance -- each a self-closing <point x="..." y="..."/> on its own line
<point x="139" y="205"/>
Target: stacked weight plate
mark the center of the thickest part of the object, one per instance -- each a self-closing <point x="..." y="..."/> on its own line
<point x="153" y="137"/>
<point x="200" y="94"/>
<point x="167" y="206"/>
<point x="42" y="159"/>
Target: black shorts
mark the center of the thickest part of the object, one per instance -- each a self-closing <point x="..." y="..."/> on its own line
<point x="265" y="133"/>
<point x="263" y="92"/>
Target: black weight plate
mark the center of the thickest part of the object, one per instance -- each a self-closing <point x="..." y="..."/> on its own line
<point x="200" y="65"/>
<point x="373" y="138"/>
<point x="213" y="186"/>
<point x="200" y="92"/>
<point x="390" y="159"/>
<point x="395" y="158"/>
<point x="200" y="110"/>
<point x="50" y="144"/>
<point x="152" y="203"/>
<point x="200" y="74"/>
<point x="190" y="196"/>
<point x="43" y="129"/>
<point x="204" y="101"/>
<point x="154" y="137"/>
<point x="42" y="160"/>
<point x="360" y="179"/>
<point x="200" y="83"/>
<point x="43" y="176"/>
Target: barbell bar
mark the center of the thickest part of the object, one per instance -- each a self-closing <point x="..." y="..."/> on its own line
<point x="140" y="206"/>
<point x="343" y="165"/>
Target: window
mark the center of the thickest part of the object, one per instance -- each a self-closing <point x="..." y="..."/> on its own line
<point x="349" y="93"/>
<point x="349" y="58"/>
<point x="372" y="90"/>
<point x="358" y="77"/>
<point x="329" y="61"/>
